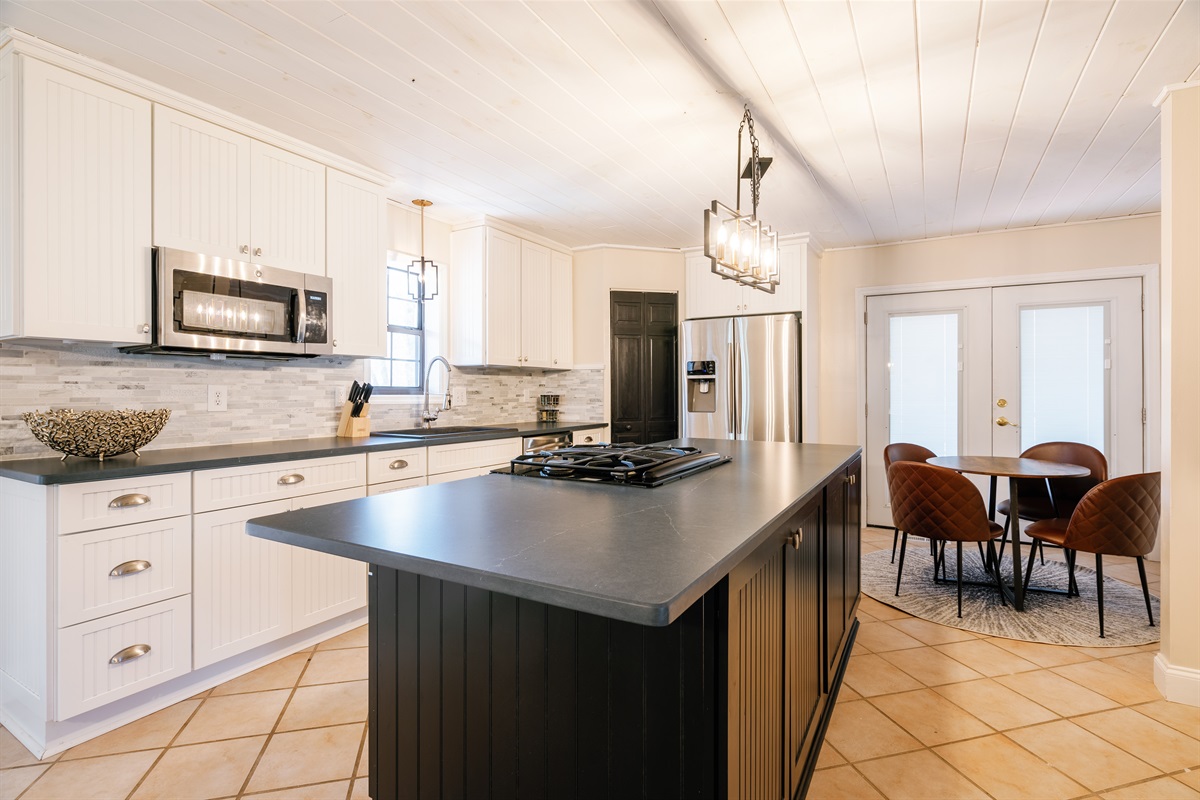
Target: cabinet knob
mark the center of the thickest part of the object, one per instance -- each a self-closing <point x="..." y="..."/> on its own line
<point x="797" y="537"/>
<point x="144" y="327"/>
<point x="556" y="361"/>
<point x="244" y="249"/>
<point x="335" y="342"/>
<point x="258" y="251"/>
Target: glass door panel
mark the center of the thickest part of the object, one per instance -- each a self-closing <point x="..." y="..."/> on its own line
<point x="1064" y="383"/>
<point x="924" y="391"/>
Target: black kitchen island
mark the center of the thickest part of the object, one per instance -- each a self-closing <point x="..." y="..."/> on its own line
<point x="540" y="638"/>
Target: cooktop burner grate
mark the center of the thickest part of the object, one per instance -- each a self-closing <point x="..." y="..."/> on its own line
<point x="632" y="465"/>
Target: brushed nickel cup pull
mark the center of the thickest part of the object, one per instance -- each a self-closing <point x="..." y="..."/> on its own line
<point x="399" y="463"/>
<point x="130" y="653"/>
<point x="129" y="501"/>
<point x="129" y="568"/>
<point x="288" y="480"/>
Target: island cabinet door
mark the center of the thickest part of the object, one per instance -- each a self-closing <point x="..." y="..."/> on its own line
<point x="842" y="554"/>
<point x="806" y="685"/>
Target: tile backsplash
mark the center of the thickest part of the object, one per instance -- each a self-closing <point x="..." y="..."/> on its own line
<point x="267" y="400"/>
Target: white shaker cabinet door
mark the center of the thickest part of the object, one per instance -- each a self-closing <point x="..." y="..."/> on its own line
<point x="707" y="295"/>
<point x="562" y="332"/>
<point x="503" y="300"/>
<point x="356" y="260"/>
<point x="536" y="301"/>
<point x="287" y="210"/>
<point x="84" y="206"/>
<point x="241" y="585"/>
<point x="201" y="186"/>
<point x="325" y="586"/>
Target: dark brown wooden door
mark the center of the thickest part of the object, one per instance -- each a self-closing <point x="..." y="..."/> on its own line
<point x="645" y="406"/>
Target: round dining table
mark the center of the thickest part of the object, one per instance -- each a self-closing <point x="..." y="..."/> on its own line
<point x="1013" y="469"/>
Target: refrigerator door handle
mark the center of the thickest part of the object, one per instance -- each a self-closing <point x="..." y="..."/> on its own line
<point x="735" y="381"/>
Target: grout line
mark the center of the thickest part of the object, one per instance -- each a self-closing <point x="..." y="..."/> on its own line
<point x="172" y="740"/>
<point x="362" y="746"/>
<point x="270" y="735"/>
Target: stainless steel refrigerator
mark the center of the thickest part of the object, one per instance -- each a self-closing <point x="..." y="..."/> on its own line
<point x="741" y="378"/>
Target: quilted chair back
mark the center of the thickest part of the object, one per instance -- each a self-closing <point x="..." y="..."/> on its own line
<point x="1067" y="491"/>
<point x="905" y="451"/>
<point x="937" y="503"/>
<point x="1119" y="517"/>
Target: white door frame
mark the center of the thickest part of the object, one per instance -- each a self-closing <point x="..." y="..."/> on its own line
<point x="1151" y="336"/>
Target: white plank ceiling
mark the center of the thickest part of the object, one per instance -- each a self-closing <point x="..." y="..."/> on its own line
<point x="616" y="122"/>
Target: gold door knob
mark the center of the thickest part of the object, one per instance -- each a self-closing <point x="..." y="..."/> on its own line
<point x="1001" y="403"/>
<point x="1001" y="421"/>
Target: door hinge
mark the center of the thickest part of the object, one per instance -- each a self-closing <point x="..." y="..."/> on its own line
<point x="1143" y="416"/>
<point x="864" y="318"/>
<point x="865" y="407"/>
<point x="1143" y="302"/>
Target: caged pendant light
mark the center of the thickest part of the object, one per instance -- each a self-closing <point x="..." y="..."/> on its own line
<point x="422" y="274"/>
<point x="740" y="246"/>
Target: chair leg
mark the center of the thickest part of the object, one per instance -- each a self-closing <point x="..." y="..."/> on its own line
<point x="982" y="557"/>
<point x="996" y="571"/>
<point x="959" y="579"/>
<point x="1003" y="541"/>
<point x="1072" y="587"/>
<point x="895" y="538"/>
<point x="1029" y="566"/>
<point x="943" y="548"/>
<point x="1100" y="590"/>
<point x="900" y="569"/>
<point x="1145" y="589"/>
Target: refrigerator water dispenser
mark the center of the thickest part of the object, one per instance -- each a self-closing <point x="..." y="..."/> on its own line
<point x="701" y="383"/>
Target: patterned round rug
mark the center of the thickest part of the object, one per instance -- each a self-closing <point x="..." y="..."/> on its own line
<point x="1048" y="618"/>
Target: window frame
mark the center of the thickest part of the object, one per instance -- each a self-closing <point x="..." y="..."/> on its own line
<point x="401" y="264"/>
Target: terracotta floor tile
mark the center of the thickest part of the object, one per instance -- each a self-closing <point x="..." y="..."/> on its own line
<point x="931" y="667"/>
<point x="1157" y="789"/>
<point x="986" y="657"/>
<point x="930" y="632"/>
<point x="829" y="757"/>
<point x="859" y="730"/>
<point x="863" y="616"/>
<point x="15" y="780"/>
<point x="846" y="694"/>
<point x="930" y="717"/>
<point x="336" y="790"/>
<point x="14" y="754"/>
<point x="1147" y="739"/>
<point x="1109" y="652"/>
<point x="102" y="777"/>
<point x="1139" y="665"/>
<point x="840" y="783"/>
<point x="335" y="666"/>
<point x="1082" y="755"/>
<point x="148" y="733"/>
<point x="880" y="610"/>
<point x="327" y="704"/>
<point x="1190" y="778"/>
<point x="879" y="637"/>
<point x="1185" y="719"/>
<point x="870" y="675"/>
<point x="361" y="790"/>
<point x="1056" y="693"/>
<point x="997" y="705"/>
<point x="201" y="771"/>
<point x="281" y="674"/>
<point x="919" y="776"/>
<point x="1006" y="771"/>
<point x="1044" y="655"/>
<point x="235" y="715"/>
<point x="353" y="638"/>
<point x="1112" y="682"/>
<point x="288" y="760"/>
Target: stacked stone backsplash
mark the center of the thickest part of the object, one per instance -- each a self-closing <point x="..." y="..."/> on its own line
<point x="267" y="400"/>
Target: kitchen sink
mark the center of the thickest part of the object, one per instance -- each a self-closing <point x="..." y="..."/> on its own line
<point x="437" y="433"/>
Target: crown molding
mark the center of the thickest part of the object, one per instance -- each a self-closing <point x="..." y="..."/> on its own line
<point x="1170" y="88"/>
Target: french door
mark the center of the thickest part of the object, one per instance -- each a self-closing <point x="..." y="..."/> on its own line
<point x="993" y="371"/>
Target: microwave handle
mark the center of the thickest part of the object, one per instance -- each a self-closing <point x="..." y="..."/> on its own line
<point x="300" y="314"/>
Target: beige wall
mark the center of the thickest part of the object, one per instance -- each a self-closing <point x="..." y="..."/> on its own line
<point x="605" y="269"/>
<point x="1177" y="667"/>
<point x="1034" y="251"/>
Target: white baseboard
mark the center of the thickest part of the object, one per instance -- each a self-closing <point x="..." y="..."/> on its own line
<point x="1177" y="684"/>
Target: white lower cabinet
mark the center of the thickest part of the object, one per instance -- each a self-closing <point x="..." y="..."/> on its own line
<point x="118" y="655"/>
<point x="589" y="436"/>
<point x="325" y="586"/>
<point x="396" y="486"/>
<point x="471" y="456"/>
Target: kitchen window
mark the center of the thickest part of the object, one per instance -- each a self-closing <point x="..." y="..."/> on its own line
<point x="402" y="372"/>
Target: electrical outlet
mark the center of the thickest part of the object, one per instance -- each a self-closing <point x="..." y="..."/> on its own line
<point x="218" y="398"/>
<point x="458" y="396"/>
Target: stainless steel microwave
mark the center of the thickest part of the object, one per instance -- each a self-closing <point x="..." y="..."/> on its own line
<point x="204" y="304"/>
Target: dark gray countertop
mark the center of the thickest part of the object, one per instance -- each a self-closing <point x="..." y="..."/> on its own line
<point x="624" y="552"/>
<point x="183" y="459"/>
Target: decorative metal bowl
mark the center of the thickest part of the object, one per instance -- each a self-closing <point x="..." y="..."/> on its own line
<point x="96" y="434"/>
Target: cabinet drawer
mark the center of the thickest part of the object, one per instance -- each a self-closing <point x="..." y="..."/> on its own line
<point x="590" y="436"/>
<point x="87" y="676"/>
<point x="116" y="569"/>
<point x="396" y="465"/>
<point x="101" y="504"/>
<point x="395" y="486"/>
<point x="468" y="455"/>
<point x="257" y="483"/>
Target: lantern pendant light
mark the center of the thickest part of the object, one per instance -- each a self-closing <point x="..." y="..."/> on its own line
<point x="422" y="274"/>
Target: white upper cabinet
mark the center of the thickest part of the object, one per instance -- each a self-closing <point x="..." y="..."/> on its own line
<point x="223" y="194"/>
<point x="356" y="260"/>
<point x="562" y="331"/>
<point x="708" y="295"/>
<point x="510" y="302"/>
<point x="75" y="256"/>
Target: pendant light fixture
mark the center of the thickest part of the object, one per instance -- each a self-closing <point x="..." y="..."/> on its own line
<point x="740" y="246"/>
<point x="423" y="274"/>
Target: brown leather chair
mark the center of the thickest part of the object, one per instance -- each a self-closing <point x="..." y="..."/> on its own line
<point x="903" y="451"/>
<point x="941" y="504"/>
<point x="1036" y="502"/>
<point x="1118" y="518"/>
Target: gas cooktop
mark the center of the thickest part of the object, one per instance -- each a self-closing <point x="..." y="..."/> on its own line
<point x="629" y="465"/>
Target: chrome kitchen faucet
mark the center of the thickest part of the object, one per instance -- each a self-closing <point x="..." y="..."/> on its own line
<point x="428" y="416"/>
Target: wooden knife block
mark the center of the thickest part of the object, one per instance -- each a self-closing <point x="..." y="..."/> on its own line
<point x="354" y="427"/>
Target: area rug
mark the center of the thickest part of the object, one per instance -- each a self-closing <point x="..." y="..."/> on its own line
<point x="1048" y="618"/>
